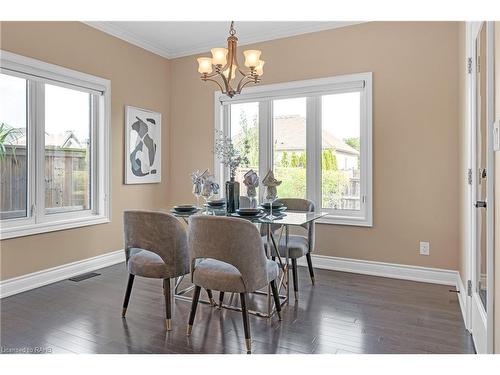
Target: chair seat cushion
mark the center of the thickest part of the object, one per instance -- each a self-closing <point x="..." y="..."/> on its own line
<point x="217" y="275"/>
<point x="147" y="264"/>
<point x="298" y="246"/>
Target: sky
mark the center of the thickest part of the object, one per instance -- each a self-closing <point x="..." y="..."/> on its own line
<point x="340" y="113"/>
<point x="65" y="109"/>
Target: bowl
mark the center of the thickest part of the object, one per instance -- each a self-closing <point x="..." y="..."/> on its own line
<point x="216" y="203"/>
<point x="267" y="205"/>
<point x="185" y="208"/>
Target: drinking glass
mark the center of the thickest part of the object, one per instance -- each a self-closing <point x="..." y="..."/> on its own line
<point x="197" y="192"/>
<point x="207" y="192"/>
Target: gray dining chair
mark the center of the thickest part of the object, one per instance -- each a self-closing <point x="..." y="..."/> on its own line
<point x="155" y="247"/>
<point x="227" y="255"/>
<point x="298" y="245"/>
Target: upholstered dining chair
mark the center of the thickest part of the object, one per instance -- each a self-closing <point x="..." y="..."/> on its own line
<point x="155" y="247"/>
<point x="298" y="245"/>
<point x="227" y="255"/>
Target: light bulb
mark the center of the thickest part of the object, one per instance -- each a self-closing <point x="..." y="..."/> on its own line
<point x="233" y="74"/>
<point x="219" y="56"/>
<point x="259" y="69"/>
<point x="204" y="65"/>
<point x="252" y="57"/>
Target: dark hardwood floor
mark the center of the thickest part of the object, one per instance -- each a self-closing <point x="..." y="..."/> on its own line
<point x="343" y="313"/>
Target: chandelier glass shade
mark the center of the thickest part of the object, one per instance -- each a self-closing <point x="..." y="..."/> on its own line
<point x="223" y="68"/>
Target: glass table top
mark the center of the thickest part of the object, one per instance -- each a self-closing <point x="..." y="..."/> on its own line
<point x="283" y="218"/>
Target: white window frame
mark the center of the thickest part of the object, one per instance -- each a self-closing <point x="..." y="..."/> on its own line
<point x="313" y="90"/>
<point x="36" y="220"/>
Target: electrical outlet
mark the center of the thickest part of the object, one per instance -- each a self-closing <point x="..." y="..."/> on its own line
<point x="425" y="248"/>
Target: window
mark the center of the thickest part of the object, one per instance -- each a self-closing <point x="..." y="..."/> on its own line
<point x="315" y="135"/>
<point x="244" y="132"/>
<point x="289" y="146"/>
<point x="54" y="145"/>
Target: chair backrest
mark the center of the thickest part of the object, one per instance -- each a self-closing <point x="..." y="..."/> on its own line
<point x="160" y="233"/>
<point x="230" y="240"/>
<point x="300" y="205"/>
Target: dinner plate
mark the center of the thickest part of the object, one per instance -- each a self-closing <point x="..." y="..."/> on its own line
<point x="248" y="211"/>
<point x="235" y="214"/>
<point x="275" y="209"/>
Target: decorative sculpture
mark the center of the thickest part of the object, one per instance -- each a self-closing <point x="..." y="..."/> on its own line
<point x="271" y="183"/>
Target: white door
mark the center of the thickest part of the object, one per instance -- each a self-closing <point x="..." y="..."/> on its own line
<point x="482" y="189"/>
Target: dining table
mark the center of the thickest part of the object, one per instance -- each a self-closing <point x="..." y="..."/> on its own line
<point x="277" y="229"/>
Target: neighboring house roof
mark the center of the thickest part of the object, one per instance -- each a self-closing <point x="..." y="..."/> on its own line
<point x="289" y="133"/>
<point x="61" y="140"/>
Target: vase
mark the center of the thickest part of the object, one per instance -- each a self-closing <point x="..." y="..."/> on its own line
<point x="232" y="195"/>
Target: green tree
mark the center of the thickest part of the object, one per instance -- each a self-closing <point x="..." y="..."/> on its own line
<point x="248" y="144"/>
<point x="284" y="159"/>
<point x="302" y="160"/>
<point x="294" y="160"/>
<point x="334" y="160"/>
<point x="353" y="142"/>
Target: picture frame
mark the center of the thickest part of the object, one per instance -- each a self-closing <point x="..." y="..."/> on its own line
<point x="142" y="146"/>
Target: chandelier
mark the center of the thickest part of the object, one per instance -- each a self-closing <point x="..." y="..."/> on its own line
<point x="225" y="64"/>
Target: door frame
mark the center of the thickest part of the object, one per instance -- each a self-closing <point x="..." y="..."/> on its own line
<point x="472" y="29"/>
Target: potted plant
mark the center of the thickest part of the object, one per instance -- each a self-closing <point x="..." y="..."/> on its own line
<point x="230" y="158"/>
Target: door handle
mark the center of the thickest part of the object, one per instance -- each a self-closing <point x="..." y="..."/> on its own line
<point x="480" y="204"/>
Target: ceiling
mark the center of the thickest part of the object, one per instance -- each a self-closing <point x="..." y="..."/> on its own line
<point x="173" y="39"/>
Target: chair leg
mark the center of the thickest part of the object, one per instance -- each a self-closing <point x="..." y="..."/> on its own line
<point x="310" y="266"/>
<point x="246" y="323"/>
<point x="221" y="299"/>
<point x="194" y="305"/>
<point x="276" y="298"/>
<point x="295" y="278"/>
<point x="211" y="297"/>
<point x="168" y="304"/>
<point x="127" y="294"/>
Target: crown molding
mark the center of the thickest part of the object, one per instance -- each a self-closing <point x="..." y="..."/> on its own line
<point x="110" y="28"/>
<point x="118" y="32"/>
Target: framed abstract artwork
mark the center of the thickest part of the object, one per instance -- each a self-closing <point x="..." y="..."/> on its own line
<point x="142" y="146"/>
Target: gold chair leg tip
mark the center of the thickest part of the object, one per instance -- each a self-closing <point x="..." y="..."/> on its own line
<point x="248" y="343"/>
<point x="124" y="311"/>
<point x="168" y="324"/>
<point x="279" y="316"/>
<point x="189" y="329"/>
<point x="296" y="295"/>
<point x="313" y="280"/>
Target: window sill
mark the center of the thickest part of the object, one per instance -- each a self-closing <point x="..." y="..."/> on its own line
<point x="39" y="228"/>
<point x="352" y="221"/>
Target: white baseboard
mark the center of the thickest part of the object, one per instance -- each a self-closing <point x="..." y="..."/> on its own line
<point x="37" y="279"/>
<point x="391" y="270"/>
<point x="462" y="299"/>
<point x="394" y="271"/>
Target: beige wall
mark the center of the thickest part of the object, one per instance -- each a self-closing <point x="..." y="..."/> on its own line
<point x="138" y="78"/>
<point x="416" y="158"/>
<point x="415" y="131"/>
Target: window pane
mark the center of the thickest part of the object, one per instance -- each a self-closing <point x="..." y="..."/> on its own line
<point x="13" y="150"/>
<point x="245" y="136"/>
<point x="340" y="161"/>
<point x="289" y="132"/>
<point x="67" y="149"/>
